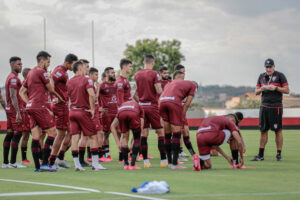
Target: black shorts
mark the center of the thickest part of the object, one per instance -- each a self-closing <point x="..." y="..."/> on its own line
<point x="270" y="118"/>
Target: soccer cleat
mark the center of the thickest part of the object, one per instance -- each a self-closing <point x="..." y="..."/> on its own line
<point x="126" y="167"/>
<point x="4" y="166"/>
<point x="147" y="164"/>
<point x="180" y="167"/>
<point x="179" y="162"/>
<point x="26" y="162"/>
<point x="196" y="163"/>
<point x="235" y="166"/>
<point x="183" y="155"/>
<point x="46" y="168"/>
<point x="258" y="158"/>
<point x="57" y="167"/>
<point x="62" y="163"/>
<point x="109" y="157"/>
<point x="121" y="161"/>
<point x="84" y="164"/>
<point x="37" y="170"/>
<point x="89" y="160"/>
<point x="103" y="159"/>
<point x="163" y="163"/>
<point x="80" y="169"/>
<point x="98" y="167"/>
<point x="278" y="157"/>
<point x="134" y="167"/>
<point x="17" y="165"/>
<point x="182" y="159"/>
<point x="170" y="166"/>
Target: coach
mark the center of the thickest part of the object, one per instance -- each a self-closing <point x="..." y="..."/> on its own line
<point x="271" y="85"/>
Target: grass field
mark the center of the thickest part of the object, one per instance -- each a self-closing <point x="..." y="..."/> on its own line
<point x="270" y="180"/>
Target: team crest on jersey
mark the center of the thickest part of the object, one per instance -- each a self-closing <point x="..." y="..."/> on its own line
<point x="13" y="81"/>
<point x="90" y="82"/>
<point x="46" y="75"/>
<point x="105" y="85"/>
<point x="274" y="78"/>
<point x="120" y="85"/>
<point x="158" y="77"/>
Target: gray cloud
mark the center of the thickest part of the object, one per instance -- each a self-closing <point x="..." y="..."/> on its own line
<point x="225" y="42"/>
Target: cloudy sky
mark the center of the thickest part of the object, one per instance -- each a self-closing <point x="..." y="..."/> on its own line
<point x="224" y="42"/>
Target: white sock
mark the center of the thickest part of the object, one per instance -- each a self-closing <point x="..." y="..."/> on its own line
<point x="76" y="162"/>
<point x="95" y="161"/>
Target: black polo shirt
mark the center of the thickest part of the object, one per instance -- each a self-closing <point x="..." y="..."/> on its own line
<point x="272" y="98"/>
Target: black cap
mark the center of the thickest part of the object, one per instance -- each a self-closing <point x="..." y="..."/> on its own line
<point x="269" y="62"/>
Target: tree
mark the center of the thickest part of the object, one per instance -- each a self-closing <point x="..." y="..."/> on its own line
<point x="165" y="53"/>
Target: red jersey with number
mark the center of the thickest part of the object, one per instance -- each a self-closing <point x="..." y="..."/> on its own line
<point x="12" y="81"/>
<point x="123" y="90"/>
<point x="108" y="97"/>
<point x="77" y="92"/>
<point x="35" y="83"/>
<point x="177" y="91"/>
<point x="145" y="80"/>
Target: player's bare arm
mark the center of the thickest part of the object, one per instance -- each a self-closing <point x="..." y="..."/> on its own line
<point x="136" y="96"/>
<point x="92" y="101"/>
<point x="284" y="89"/>
<point x="187" y="104"/>
<point x="2" y="102"/>
<point x="259" y="90"/>
<point x="23" y="94"/>
<point x="158" y="88"/>
<point x="114" y="131"/>
<point x="14" y="98"/>
<point x="52" y="91"/>
<point x="220" y="150"/>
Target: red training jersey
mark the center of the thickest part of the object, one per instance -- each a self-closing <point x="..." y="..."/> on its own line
<point x="164" y="83"/>
<point x="217" y="123"/>
<point x="77" y="92"/>
<point x="35" y="83"/>
<point x="133" y="107"/>
<point x="177" y="91"/>
<point x="108" y="97"/>
<point x="12" y="81"/>
<point x="123" y="89"/>
<point x="145" y="80"/>
<point x="60" y="78"/>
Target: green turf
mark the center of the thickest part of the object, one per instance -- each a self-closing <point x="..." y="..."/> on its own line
<point x="270" y="179"/>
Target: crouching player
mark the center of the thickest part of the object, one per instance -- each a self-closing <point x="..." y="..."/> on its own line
<point x="82" y="96"/>
<point x="213" y="132"/>
<point x="130" y="117"/>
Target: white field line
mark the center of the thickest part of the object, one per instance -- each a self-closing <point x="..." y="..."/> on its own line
<point x="38" y="193"/>
<point x="53" y="185"/>
<point x="233" y="194"/>
<point x="133" y="195"/>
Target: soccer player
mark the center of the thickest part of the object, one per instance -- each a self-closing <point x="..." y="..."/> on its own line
<point x="173" y="113"/>
<point x="13" y="109"/>
<point x="122" y="83"/>
<point x="61" y="109"/>
<point x="213" y="132"/>
<point x="185" y="129"/>
<point x="26" y="126"/>
<point x="148" y="87"/>
<point x="108" y="99"/>
<point x="271" y="85"/>
<point x="33" y="94"/>
<point x="82" y="110"/>
<point x="130" y="117"/>
<point x="164" y="76"/>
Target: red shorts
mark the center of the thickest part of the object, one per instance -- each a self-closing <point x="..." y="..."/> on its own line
<point x="129" y="120"/>
<point x="172" y="113"/>
<point x="40" y="117"/>
<point x="11" y="122"/>
<point x="152" y="117"/>
<point x="26" y="122"/>
<point x="80" y="120"/>
<point x="107" y="119"/>
<point x="97" y="123"/>
<point x="205" y="141"/>
<point x="61" y="116"/>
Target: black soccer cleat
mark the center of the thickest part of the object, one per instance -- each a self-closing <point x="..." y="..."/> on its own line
<point x="84" y="164"/>
<point x="278" y="157"/>
<point x="258" y="158"/>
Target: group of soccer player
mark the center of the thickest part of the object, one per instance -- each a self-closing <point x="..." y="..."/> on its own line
<point x="62" y="113"/>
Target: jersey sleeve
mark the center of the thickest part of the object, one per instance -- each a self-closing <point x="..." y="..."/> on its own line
<point x="13" y="83"/>
<point x="258" y="84"/>
<point x="156" y="78"/>
<point x="120" y="92"/>
<point x="89" y="84"/>
<point x="192" y="89"/>
<point x="231" y="126"/>
<point x="59" y="76"/>
<point x="283" y="80"/>
<point x="44" y="77"/>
